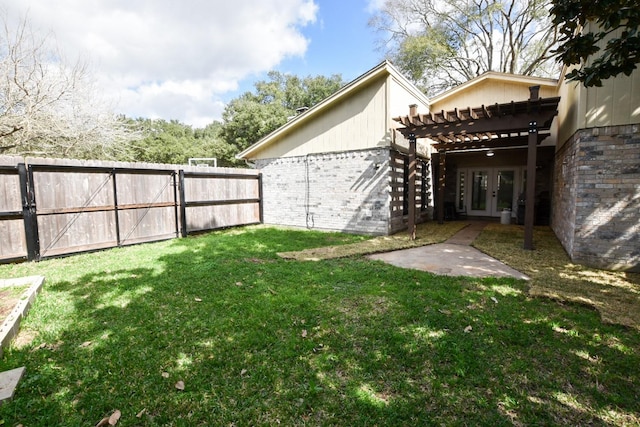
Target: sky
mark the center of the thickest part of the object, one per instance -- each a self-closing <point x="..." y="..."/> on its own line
<point x="185" y="59"/>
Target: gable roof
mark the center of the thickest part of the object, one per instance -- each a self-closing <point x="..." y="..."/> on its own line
<point x="385" y="68"/>
<point x="494" y="75"/>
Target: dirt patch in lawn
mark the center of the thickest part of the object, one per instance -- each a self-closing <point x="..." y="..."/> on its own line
<point x="426" y="234"/>
<point x="9" y="298"/>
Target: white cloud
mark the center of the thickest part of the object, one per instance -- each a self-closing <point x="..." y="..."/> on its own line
<point x="374" y="5"/>
<point x="171" y="59"/>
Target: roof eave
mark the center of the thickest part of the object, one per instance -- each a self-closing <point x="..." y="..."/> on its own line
<point x="385" y="67"/>
<point x="494" y="75"/>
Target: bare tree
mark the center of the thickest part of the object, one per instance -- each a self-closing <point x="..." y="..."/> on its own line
<point x="48" y="106"/>
<point x="440" y="44"/>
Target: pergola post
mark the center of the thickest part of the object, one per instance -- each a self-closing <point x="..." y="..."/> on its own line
<point x="412" y="186"/>
<point x="442" y="175"/>
<point x="532" y="147"/>
<point x="529" y="203"/>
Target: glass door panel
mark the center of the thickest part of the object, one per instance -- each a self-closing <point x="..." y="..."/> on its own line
<point x="479" y="187"/>
<point x="504" y="190"/>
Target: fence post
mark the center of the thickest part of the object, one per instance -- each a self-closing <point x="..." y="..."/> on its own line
<point x="27" y="192"/>
<point x="260" y="197"/>
<point x="115" y="205"/>
<point x="183" y="205"/>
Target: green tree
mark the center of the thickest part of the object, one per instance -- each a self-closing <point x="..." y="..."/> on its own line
<point x="212" y="144"/>
<point x="174" y="142"/>
<point x="614" y="24"/>
<point x="254" y="115"/>
<point x="442" y="44"/>
<point x="162" y="141"/>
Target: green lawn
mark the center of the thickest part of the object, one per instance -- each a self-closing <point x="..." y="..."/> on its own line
<point x="261" y="340"/>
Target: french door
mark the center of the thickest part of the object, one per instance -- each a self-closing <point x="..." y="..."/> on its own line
<point x="488" y="191"/>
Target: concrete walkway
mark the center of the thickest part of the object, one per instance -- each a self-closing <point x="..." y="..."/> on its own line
<point x="455" y="257"/>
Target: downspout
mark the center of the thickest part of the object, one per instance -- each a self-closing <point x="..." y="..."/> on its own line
<point x="307" y="190"/>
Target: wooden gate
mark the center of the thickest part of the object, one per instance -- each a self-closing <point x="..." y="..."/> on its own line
<point x="51" y="209"/>
<point x="86" y="208"/>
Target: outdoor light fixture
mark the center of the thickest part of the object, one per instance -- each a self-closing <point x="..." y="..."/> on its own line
<point x="490" y="153"/>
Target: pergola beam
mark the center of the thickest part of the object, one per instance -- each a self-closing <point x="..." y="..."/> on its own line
<point x="504" y="124"/>
<point x="498" y="118"/>
<point x="449" y="145"/>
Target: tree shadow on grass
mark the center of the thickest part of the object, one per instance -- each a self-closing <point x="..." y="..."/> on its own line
<point x="616" y="295"/>
<point x="477" y="361"/>
<point x="258" y="340"/>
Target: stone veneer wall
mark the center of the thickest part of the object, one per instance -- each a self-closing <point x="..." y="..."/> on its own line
<point x="596" y="203"/>
<point x="344" y="191"/>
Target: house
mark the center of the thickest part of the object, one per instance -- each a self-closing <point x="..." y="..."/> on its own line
<point x="345" y="163"/>
<point x="340" y="165"/>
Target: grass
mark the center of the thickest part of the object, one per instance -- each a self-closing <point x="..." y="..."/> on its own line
<point x="261" y="340"/>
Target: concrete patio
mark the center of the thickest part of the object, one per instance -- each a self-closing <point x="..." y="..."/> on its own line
<point x="454" y="257"/>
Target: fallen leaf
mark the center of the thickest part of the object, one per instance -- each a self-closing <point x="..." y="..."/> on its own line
<point x="242" y="372"/>
<point x="238" y="283"/>
<point x="113" y="419"/>
<point x="103" y="422"/>
<point x="141" y="413"/>
<point x="304" y="333"/>
<point x="180" y="385"/>
<point x="198" y="300"/>
<point x="468" y="329"/>
<point x="165" y="375"/>
<point x="85" y="344"/>
<point x="40" y="347"/>
<point x="494" y="299"/>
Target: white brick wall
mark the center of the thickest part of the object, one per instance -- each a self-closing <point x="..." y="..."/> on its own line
<point x="345" y="191"/>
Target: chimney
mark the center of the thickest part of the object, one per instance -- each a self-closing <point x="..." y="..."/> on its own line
<point x="534" y="93"/>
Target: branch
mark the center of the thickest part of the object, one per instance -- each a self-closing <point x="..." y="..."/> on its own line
<point x="11" y="132"/>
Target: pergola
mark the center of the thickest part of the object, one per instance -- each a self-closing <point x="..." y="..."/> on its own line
<point x="510" y="124"/>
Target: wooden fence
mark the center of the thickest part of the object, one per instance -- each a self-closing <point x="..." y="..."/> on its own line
<point x="55" y="207"/>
